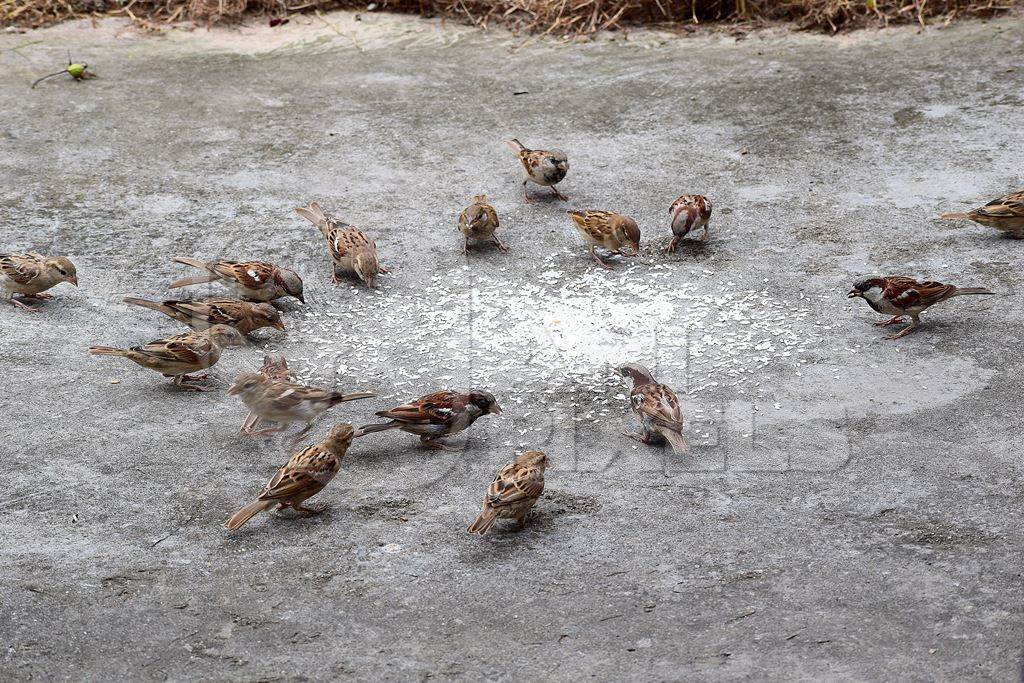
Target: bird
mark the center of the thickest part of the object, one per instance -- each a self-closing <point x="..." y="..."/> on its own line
<point x="900" y="296"/>
<point x="478" y="221"/>
<point x="351" y="250"/>
<point x="253" y="280"/>
<point x="284" y="401"/>
<point x="305" y="475"/>
<point x="1005" y="213"/>
<point x="274" y="368"/>
<point x="181" y="354"/>
<point x="689" y="212"/>
<point x="657" y="406"/>
<point x="244" y="316"/>
<point x="435" y="416"/>
<point x="31" y="274"/>
<point x="515" y="489"/>
<point x="609" y="230"/>
<point x="541" y="166"/>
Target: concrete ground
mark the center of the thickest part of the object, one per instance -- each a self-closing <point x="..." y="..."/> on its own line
<point x="851" y="507"/>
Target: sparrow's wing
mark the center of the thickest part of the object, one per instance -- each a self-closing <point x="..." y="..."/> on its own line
<point x="183" y="348"/>
<point x="659" y="404"/>
<point x="1012" y="205"/>
<point x="492" y="215"/>
<point x="284" y="396"/>
<point x="249" y="274"/>
<point x="200" y="310"/>
<point x="346" y="240"/>
<point x="513" y="484"/>
<point x="437" y="408"/>
<point x="307" y="472"/>
<point x="20" y="268"/>
<point x="906" y="292"/>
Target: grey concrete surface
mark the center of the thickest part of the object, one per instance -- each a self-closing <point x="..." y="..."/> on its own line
<point x="852" y="506"/>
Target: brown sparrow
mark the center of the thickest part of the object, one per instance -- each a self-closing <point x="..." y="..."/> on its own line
<point x="244" y="316"/>
<point x="274" y="368"/>
<point x="661" y="417"/>
<point x="689" y="212"/>
<point x="305" y="475"/>
<point x="515" y="489"/>
<point x="351" y="250"/>
<point x="1005" y="213"/>
<point x="32" y="274"/>
<point x="478" y="221"/>
<point x="181" y="354"/>
<point x="435" y="416"/>
<point x="609" y="230"/>
<point x="253" y="280"/>
<point x="901" y="296"/>
<point x="542" y="167"/>
<point x="284" y="402"/>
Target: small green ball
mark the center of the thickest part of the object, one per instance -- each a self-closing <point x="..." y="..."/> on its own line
<point x="76" y="70"/>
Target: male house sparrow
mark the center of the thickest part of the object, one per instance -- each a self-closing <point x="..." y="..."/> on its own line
<point x="1005" y="213"/>
<point x="351" y="250"/>
<point x="540" y="166"/>
<point x="478" y="221"/>
<point x="515" y="489"/>
<point x="689" y="212"/>
<point x="437" y="415"/>
<point x="609" y="230"/>
<point x="32" y="274"/>
<point x="244" y="316"/>
<point x="900" y="296"/>
<point x="661" y="417"/>
<point x="181" y="354"/>
<point x="253" y="280"/>
<point x="305" y="475"/>
<point x="284" y="402"/>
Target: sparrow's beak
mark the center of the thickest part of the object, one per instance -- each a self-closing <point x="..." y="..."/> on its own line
<point x="495" y="410"/>
<point x="234" y="390"/>
<point x="853" y="294"/>
<point x="300" y="298"/>
<point x="73" y="280"/>
<point x="278" y="325"/>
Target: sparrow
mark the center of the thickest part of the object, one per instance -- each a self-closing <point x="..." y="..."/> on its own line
<point x="540" y="166"/>
<point x="657" y="406"/>
<point x="437" y="415"/>
<point x="516" y="487"/>
<point x="689" y="212"/>
<point x="901" y="296"/>
<point x="181" y="354"/>
<point x="253" y="280"/>
<point x="305" y="475"/>
<point x="479" y="220"/>
<point x="200" y="315"/>
<point x="351" y="250"/>
<point x="274" y="368"/>
<point x="32" y="274"/>
<point x="609" y="230"/>
<point x="284" y="401"/>
<point x="1005" y="213"/>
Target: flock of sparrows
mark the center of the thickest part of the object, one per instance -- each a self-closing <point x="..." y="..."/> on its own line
<point x="273" y="395"/>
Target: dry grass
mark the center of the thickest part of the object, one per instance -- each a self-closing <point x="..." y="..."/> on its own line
<point x="558" y="17"/>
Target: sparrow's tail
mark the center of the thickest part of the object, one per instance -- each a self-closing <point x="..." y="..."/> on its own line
<point x="313" y="213"/>
<point x="578" y="218"/>
<point x="484" y="522"/>
<point x="971" y="290"/>
<point x="515" y="145"/>
<point x="953" y="216"/>
<point x="382" y="427"/>
<point x="145" y="303"/>
<point x="107" y="351"/>
<point x="676" y="440"/>
<point x="341" y="398"/>
<point x="194" y="262"/>
<point x="248" y="512"/>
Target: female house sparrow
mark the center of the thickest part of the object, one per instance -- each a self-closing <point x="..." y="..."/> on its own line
<point x="200" y="315"/>
<point x="661" y="417"/>
<point x="609" y="230"/>
<point x="479" y="220"/>
<point x="689" y="212"/>
<point x="284" y="402"/>
<point x="900" y="296"/>
<point x="274" y="368"/>
<point x="515" y="489"/>
<point x="1005" y="213"/>
<point x="253" y="280"/>
<point x="32" y="274"/>
<point x="351" y="250"/>
<point x="181" y="354"/>
<point x="305" y="475"/>
<point x="540" y="166"/>
<point x="437" y="415"/>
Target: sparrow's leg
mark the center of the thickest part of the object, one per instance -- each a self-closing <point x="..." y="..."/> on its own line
<point x="672" y="246"/>
<point x="302" y="433"/>
<point x="526" y="195"/>
<point x="706" y="235"/>
<point x="41" y="296"/>
<point x="915" y="323"/>
<point x="23" y="306"/>
<point x="310" y="511"/>
<point x="465" y="245"/>
<point x="382" y="270"/>
<point x="896" y="319"/>
<point x="435" y="445"/>
<point x="559" y="194"/>
<point x="597" y="259"/>
<point x="501" y="246"/>
<point x="191" y="383"/>
<point x="267" y="430"/>
<point x="639" y="436"/>
<point x="250" y="422"/>
<point x="521" y="522"/>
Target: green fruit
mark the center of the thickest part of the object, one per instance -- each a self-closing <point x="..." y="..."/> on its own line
<point x="76" y="70"/>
